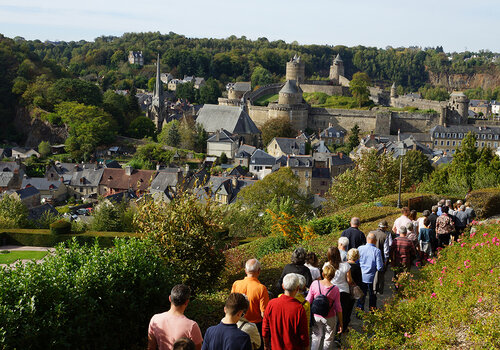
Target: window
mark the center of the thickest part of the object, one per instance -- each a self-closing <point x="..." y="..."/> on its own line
<point x="490" y="136"/>
<point x="496" y="137"/>
<point x="448" y="135"/>
<point x="453" y="143"/>
<point x="477" y="136"/>
<point x="435" y="143"/>
<point x="442" y="135"/>
<point x="452" y="151"/>
<point x="489" y="144"/>
<point x="454" y="135"/>
<point x="477" y="144"/>
<point x="484" y="136"/>
<point x="482" y="144"/>
<point x="436" y="134"/>
<point x="459" y="143"/>
<point x="442" y="143"/>
<point x="296" y="173"/>
<point x="447" y="143"/>
<point x="307" y="174"/>
<point x="460" y="136"/>
<point x="81" y="189"/>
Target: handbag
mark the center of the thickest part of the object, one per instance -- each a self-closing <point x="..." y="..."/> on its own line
<point x="356" y="292"/>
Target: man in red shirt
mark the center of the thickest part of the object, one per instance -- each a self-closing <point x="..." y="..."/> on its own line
<point x="256" y="292"/>
<point x="285" y="321"/>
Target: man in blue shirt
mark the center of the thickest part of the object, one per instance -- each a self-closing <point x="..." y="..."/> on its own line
<point x="370" y="261"/>
<point x="226" y="335"/>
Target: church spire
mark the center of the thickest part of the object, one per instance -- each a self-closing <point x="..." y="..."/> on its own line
<point x="158" y="87"/>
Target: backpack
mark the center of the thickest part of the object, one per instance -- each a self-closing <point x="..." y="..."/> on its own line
<point x="321" y="305"/>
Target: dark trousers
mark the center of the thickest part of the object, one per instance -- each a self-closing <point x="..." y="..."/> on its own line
<point x="259" y="328"/>
<point x="443" y="240"/>
<point x="367" y="288"/>
<point x="347" y="311"/>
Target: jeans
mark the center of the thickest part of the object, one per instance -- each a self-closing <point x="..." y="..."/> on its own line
<point x="367" y="288"/>
<point x="326" y="326"/>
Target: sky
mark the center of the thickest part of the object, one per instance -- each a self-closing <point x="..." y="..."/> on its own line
<point x="457" y="25"/>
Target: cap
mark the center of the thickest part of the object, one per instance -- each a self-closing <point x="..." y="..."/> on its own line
<point x="383" y="223"/>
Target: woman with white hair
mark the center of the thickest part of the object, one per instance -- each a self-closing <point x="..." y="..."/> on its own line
<point x="343" y="245"/>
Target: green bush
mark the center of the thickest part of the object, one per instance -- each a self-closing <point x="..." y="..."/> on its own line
<point x="271" y="244"/>
<point x="60" y="227"/>
<point x="83" y="296"/>
<point x="327" y="225"/>
<point x="486" y="202"/>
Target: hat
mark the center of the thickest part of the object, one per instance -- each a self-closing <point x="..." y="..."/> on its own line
<point x="383" y="223"/>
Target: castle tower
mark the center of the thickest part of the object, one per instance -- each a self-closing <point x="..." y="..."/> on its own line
<point x="290" y="94"/>
<point x="157" y="111"/>
<point x="296" y="70"/>
<point x="394" y="93"/>
<point x="290" y="105"/>
<point x="459" y="105"/>
<point x="337" y="69"/>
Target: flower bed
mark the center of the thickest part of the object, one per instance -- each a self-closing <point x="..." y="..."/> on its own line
<point x="453" y="302"/>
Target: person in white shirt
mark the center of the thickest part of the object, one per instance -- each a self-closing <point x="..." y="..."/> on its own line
<point x="312" y="264"/>
<point x="403" y="220"/>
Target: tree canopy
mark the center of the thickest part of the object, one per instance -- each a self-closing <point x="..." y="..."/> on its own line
<point x="276" y="127"/>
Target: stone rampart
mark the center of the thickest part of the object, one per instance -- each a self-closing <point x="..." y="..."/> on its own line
<point x="258" y="114"/>
<point x="251" y="96"/>
<point x="332" y="90"/>
<point x="402" y="102"/>
<point x="409" y="122"/>
<point x="320" y="118"/>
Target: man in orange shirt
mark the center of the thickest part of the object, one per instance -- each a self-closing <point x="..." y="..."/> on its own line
<point x="256" y="292"/>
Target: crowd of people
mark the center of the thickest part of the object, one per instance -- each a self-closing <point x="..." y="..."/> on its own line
<point x="314" y="306"/>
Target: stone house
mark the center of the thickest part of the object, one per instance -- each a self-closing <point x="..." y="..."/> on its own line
<point x="261" y="164"/>
<point x="320" y="181"/>
<point x="199" y="82"/>
<point x="136" y="57"/>
<point x="222" y="142"/>
<point x="30" y="196"/>
<point x="51" y="190"/>
<point x="223" y="189"/>
<point x="11" y="174"/>
<point x="172" y="84"/>
<point x="233" y="119"/>
<point x="332" y="135"/>
<point x="24" y="153"/>
<point x="336" y="163"/>
<point x="283" y="146"/>
<point x="243" y="155"/>
<point x="165" y="185"/>
<point x="495" y="107"/>
<point x="65" y="170"/>
<point x="85" y="180"/>
<point x="119" y="180"/>
<point x="482" y="107"/>
<point x="238" y="89"/>
<point x="302" y="167"/>
<point x="166" y="77"/>
<point x="448" y="138"/>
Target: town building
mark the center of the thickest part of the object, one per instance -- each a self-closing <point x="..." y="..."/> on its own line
<point x="480" y="107"/>
<point x="284" y="146"/>
<point x="449" y="138"/>
<point x="54" y="191"/>
<point x="222" y="142"/>
<point x="120" y="180"/>
<point x="136" y="57"/>
<point x="84" y="181"/>
<point x="332" y="135"/>
<point x="261" y="164"/>
<point x="157" y="111"/>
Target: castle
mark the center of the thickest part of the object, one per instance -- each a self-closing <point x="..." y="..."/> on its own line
<point x="382" y="121"/>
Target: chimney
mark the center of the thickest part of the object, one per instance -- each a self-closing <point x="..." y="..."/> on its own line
<point x="157" y="166"/>
<point x="234" y="182"/>
<point x="399" y="135"/>
<point x="128" y="170"/>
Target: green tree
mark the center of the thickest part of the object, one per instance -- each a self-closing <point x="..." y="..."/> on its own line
<point x="200" y="140"/>
<point x="416" y="166"/>
<point x="89" y="126"/>
<point x="151" y="84"/>
<point x="187" y="133"/>
<point x="223" y="158"/>
<point x="13" y="212"/>
<point x="153" y="153"/>
<point x="359" y="87"/>
<point x="353" y="140"/>
<point x="187" y="92"/>
<point x="210" y="92"/>
<point x="116" y="105"/>
<point x="169" y="134"/>
<point x="276" y="127"/>
<point x="106" y="217"/>
<point x="141" y="127"/>
<point x="77" y="90"/>
<point x="187" y="233"/>
<point x="44" y="148"/>
<point x="375" y="175"/>
<point x="260" y="77"/>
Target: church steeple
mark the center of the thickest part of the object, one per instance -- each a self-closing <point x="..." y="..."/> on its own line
<point x="157" y="111"/>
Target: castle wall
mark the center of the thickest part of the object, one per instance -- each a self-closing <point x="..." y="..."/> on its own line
<point x="327" y="89"/>
<point x="262" y="91"/>
<point x="258" y="114"/>
<point x="320" y="118"/>
<point x="402" y="102"/>
<point x="413" y="122"/>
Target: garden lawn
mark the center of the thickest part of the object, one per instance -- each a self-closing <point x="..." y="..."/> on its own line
<point x="12" y="256"/>
<point x="264" y="100"/>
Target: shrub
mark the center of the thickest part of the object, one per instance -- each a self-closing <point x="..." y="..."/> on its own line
<point x="46" y="219"/>
<point x="60" y="227"/>
<point x="106" y="217"/>
<point x="330" y="224"/>
<point x="486" y="202"/>
<point x="13" y="212"/>
<point x="186" y="232"/>
<point x="271" y="244"/>
<point x="84" y="296"/>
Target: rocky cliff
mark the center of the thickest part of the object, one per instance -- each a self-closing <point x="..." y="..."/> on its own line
<point x="36" y="130"/>
<point x="489" y="80"/>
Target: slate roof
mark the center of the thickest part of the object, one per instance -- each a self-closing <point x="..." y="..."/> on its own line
<point x="41" y="183"/>
<point x="87" y="177"/>
<point x="262" y="158"/>
<point x="478" y="103"/>
<point x="338" y="58"/>
<point x="291" y="146"/>
<point x="290" y="87"/>
<point x="5" y="178"/>
<point x="221" y="136"/>
<point x="120" y="196"/>
<point x="300" y="161"/>
<point x="465" y="129"/>
<point x="35" y="213"/>
<point x="332" y="132"/>
<point x="117" y="179"/>
<point x="246" y="148"/>
<point x="112" y="164"/>
<point x="238" y="171"/>
<point x="243" y="86"/>
<point x="321" y="147"/>
<point x="27" y="192"/>
<point x="9" y="166"/>
<point x="337" y="160"/>
<point x="233" y="119"/>
<point x="164" y="180"/>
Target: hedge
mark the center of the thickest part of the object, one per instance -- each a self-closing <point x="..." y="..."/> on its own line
<point x="60" y="227"/>
<point x="485" y="202"/>
<point x="44" y="238"/>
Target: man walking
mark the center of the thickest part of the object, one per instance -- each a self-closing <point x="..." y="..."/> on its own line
<point x="383" y="242"/>
<point x="256" y="292"/>
<point x="285" y="323"/>
<point x="444" y="228"/>
<point x="402" y="253"/>
<point x="226" y="335"/>
<point x="403" y="220"/>
<point x="370" y="261"/>
<point x="167" y="327"/>
<point x="355" y="236"/>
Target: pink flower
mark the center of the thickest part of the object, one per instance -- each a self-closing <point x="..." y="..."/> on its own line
<point x="485" y="234"/>
<point x="491" y="271"/>
<point x="407" y="335"/>
<point x="433" y="295"/>
<point x="417" y="264"/>
<point x="462" y="244"/>
<point x="480" y="300"/>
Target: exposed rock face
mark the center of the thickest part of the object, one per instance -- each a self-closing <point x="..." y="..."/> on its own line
<point x="466" y="81"/>
<point x="36" y="130"/>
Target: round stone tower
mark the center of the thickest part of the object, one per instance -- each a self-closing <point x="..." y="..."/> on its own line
<point x="394" y="93"/>
<point x="336" y="69"/>
<point x="459" y="105"/>
<point x="290" y="105"/>
<point x="295" y="70"/>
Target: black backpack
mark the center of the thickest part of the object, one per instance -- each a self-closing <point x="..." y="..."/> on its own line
<point x="321" y="305"/>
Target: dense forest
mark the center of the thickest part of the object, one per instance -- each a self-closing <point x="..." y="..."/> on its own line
<point x="42" y="75"/>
